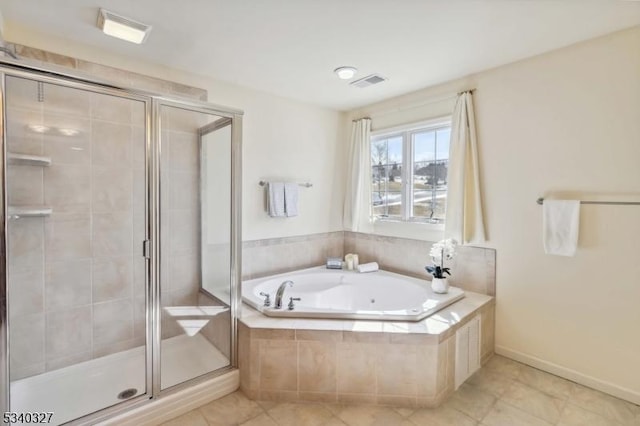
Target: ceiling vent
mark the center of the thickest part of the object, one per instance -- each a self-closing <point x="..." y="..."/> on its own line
<point x="369" y="80"/>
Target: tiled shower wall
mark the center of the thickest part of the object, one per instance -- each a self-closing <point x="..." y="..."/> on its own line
<point x="76" y="278"/>
<point x="473" y="268"/>
<point x="180" y="228"/>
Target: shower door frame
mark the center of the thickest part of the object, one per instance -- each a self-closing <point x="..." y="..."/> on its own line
<point x="150" y="247"/>
<point x="235" y="267"/>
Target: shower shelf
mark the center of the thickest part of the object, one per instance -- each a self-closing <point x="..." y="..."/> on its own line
<point x="17" y="212"/>
<point x="28" y="160"/>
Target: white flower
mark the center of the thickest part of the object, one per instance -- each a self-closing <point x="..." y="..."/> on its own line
<point x="443" y="249"/>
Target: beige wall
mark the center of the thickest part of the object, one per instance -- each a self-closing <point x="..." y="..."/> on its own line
<point x="283" y="139"/>
<point x="566" y="123"/>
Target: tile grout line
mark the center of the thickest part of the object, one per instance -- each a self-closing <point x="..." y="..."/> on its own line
<point x="491" y="407"/>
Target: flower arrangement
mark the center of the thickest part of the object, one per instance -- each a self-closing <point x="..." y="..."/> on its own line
<point x="445" y="249"/>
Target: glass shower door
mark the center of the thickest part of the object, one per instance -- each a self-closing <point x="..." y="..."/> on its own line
<point x="77" y="278"/>
<point x="195" y="263"/>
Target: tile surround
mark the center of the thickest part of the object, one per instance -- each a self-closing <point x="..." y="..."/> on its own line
<point x="284" y="360"/>
<point x="276" y="255"/>
<point x="473" y="269"/>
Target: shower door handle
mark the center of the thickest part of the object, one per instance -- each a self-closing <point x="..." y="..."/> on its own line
<point x="146" y="249"/>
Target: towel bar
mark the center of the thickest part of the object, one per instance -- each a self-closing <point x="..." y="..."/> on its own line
<point x="613" y="203"/>
<point x="305" y="184"/>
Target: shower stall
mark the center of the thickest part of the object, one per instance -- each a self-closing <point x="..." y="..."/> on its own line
<point x="120" y="245"/>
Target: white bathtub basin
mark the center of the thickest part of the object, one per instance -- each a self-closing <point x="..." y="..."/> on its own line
<point x="328" y="293"/>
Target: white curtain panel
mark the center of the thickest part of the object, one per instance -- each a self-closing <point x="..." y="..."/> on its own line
<point x="463" y="220"/>
<point x="357" y="203"/>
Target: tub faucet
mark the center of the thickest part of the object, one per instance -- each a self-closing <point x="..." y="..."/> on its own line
<point x="280" y="292"/>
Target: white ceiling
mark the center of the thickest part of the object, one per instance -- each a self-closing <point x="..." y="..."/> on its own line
<point x="290" y="47"/>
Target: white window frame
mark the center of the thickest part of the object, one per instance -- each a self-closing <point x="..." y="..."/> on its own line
<point x="407" y="132"/>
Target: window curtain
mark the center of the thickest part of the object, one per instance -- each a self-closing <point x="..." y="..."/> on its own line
<point x="463" y="219"/>
<point x="357" y="203"/>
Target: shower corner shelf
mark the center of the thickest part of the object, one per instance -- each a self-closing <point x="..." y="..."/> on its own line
<point x="28" y="160"/>
<point x="17" y="212"/>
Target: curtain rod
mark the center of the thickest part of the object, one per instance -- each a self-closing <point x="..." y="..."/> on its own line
<point x="418" y="105"/>
<point x="611" y="203"/>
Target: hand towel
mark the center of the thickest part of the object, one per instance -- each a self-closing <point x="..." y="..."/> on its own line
<point x="291" y="199"/>
<point x="276" y="199"/>
<point x="560" y="223"/>
<point x="368" y="267"/>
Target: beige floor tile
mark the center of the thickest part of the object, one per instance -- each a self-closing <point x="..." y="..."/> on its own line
<point x="404" y="412"/>
<point x="604" y="405"/>
<point x="534" y="402"/>
<point x="261" y="420"/>
<point x="370" y="415"/>
<point x="232" y="409"/>
<point x="334" y="421"/>
<point x="503" y="414"/>
<point x="545" y="382"/>
<point x="572" y="415"/>
<point x="472" y="401"/>
<point x="335" y="408"/>
<point x="192" y="418"/>
<point x="267" y="405"/>
<point x="441" y="416"/>
<point x="299" y="414"/>
<point x="490" y="381"/>
<point x="504" y="366"/>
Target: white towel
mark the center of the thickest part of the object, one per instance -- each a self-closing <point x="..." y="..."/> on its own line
<point x="291" y="199"/>
<point x="276" y="199"/>
<point x="368" y="267"/>
<point x="560" y="223"/>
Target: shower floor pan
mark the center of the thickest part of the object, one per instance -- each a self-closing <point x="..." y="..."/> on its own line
<point x="84" y="388"/>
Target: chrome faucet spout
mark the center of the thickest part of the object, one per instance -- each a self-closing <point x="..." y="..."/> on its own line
<point x="280" y="293"/>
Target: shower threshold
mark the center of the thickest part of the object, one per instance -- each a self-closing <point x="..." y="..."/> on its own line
<point x="84" y="388"/>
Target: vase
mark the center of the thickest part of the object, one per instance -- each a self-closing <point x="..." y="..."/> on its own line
<point x="439" y="285"/>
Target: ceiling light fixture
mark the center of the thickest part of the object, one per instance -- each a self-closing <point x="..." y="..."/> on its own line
<point x="123" y="28"/>
<point x="345" y="73"/>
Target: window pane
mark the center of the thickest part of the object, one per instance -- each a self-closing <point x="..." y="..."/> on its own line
<point x="430" y="165"/>
<point x="386" y="174"/>
<point x="442" y="148"/>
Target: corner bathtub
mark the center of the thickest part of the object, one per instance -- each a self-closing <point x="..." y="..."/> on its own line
<point x="330" y="293"/>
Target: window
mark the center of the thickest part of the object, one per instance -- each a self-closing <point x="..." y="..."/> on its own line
<point x="409" y="173"/>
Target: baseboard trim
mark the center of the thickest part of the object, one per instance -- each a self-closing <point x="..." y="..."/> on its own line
<point x="573" y="375"/>
<point x="168" y="407"/>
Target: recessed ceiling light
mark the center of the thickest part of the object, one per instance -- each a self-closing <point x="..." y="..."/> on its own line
<point x="345" y="73"/>
<point x="123" y="28"/>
